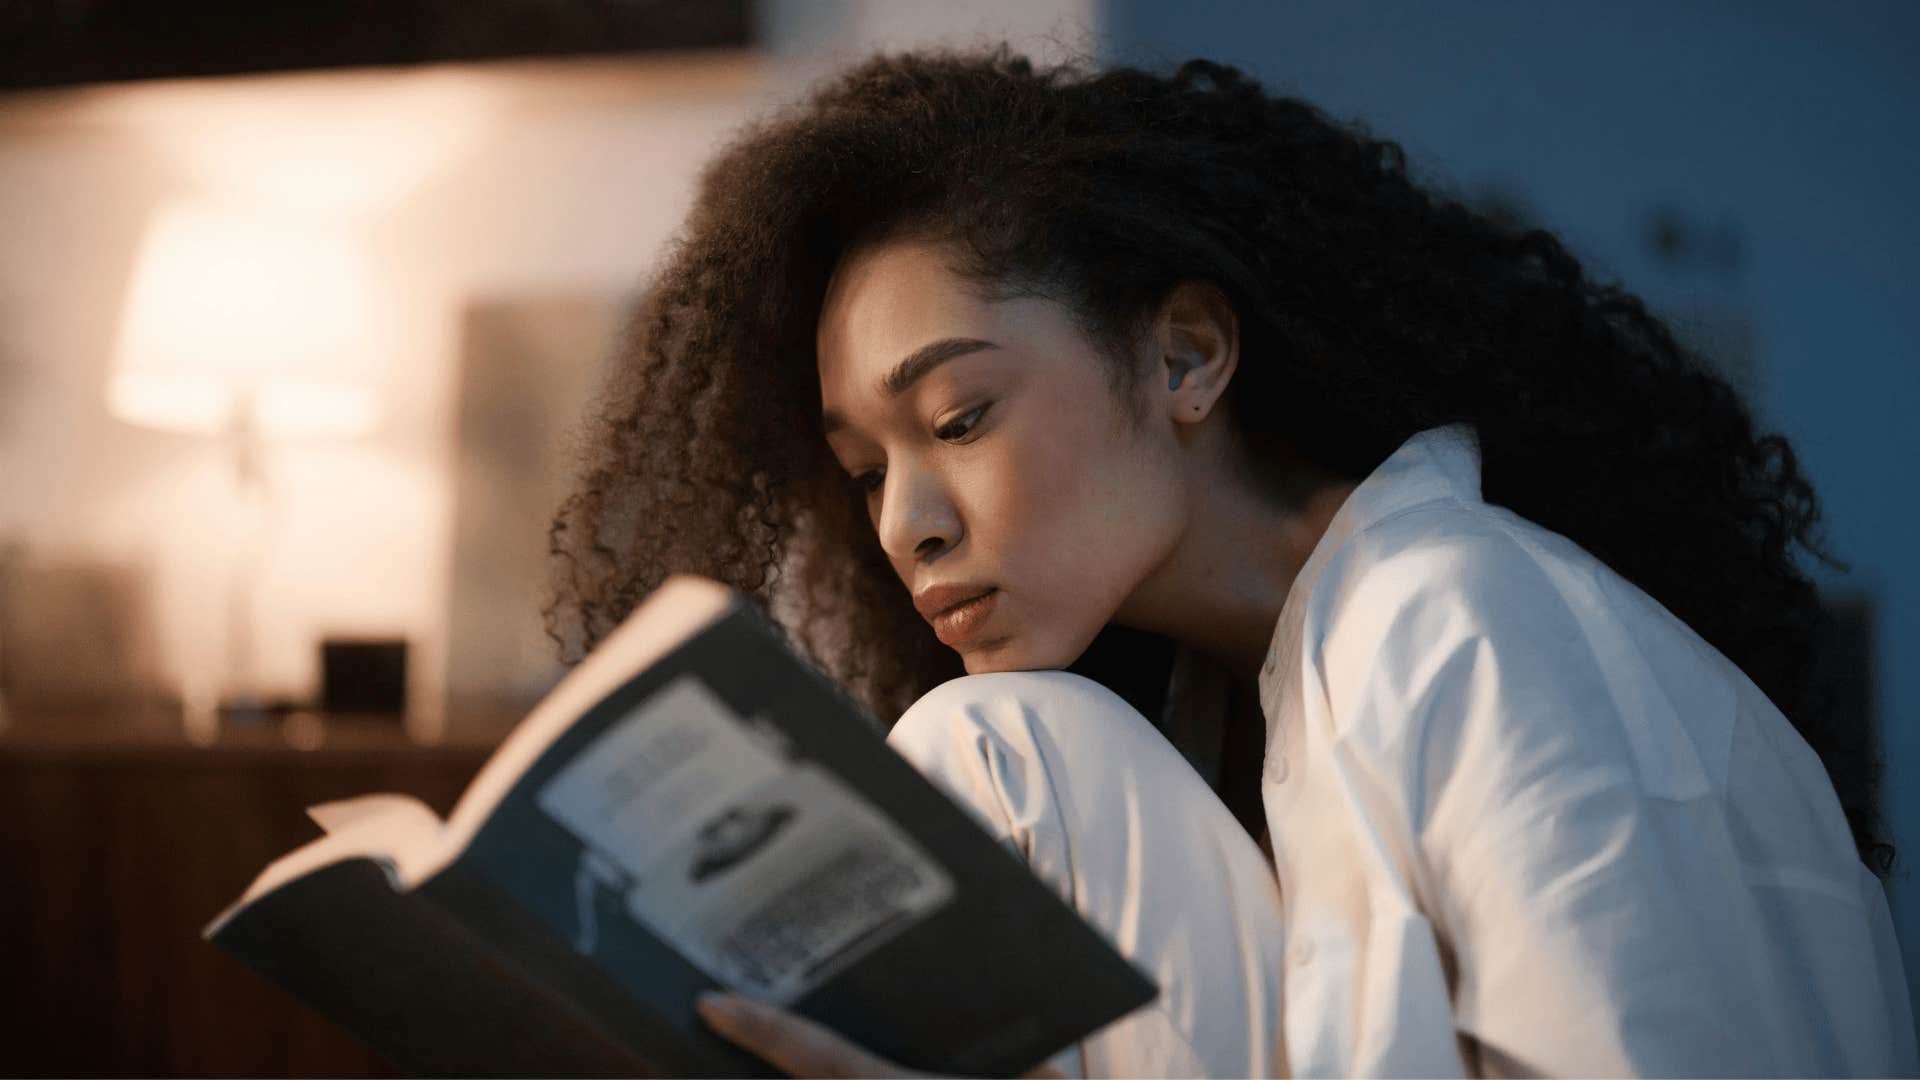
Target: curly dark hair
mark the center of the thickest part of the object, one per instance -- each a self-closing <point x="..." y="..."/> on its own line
<point x="1370" y="308"/>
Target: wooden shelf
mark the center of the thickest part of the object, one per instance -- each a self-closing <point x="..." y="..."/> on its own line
<point x="115" y="854"/>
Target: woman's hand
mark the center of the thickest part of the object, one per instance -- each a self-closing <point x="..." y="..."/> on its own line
<point x="799" y="1047"/>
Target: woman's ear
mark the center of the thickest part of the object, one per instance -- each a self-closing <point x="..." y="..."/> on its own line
<point x="1197" y="343"/>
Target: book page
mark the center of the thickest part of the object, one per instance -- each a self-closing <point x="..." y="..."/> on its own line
<point x="411" y="818"/>
<point x="763" y="870"/>
<point x="398" y="832"/>
<point x="681" y="607"/>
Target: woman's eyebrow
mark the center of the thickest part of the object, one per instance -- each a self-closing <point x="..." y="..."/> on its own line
<point x="912" y="370"/>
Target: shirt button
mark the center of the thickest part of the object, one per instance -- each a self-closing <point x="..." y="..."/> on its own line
<point x="1300" y="954"/>
<point x="1276" y="770"/>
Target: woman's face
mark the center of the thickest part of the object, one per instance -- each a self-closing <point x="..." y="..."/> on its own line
<point x="1009" y="465"/>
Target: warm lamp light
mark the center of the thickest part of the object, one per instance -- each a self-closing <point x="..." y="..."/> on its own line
<point x="246" y="312"/>
<point x="246" y="325"/>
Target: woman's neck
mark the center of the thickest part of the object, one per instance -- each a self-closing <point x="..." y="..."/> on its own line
<point x="1221" y="591"/>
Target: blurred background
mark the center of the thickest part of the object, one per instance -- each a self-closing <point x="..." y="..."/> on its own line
<point x="301" y="558"/>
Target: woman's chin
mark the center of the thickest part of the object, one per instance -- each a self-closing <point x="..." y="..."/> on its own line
<point x="995" y="657"/>
<point x="978" y="663"/>
<point x="1005" y="655"/>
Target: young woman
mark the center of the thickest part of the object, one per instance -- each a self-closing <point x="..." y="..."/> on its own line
<point x="1513" y="763"/>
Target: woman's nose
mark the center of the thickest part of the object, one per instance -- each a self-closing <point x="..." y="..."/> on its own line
<point x="917" y="519"/>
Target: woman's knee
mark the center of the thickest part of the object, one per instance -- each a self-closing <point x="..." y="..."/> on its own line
<point x="1006" y="707"/>
<point x="1031" y="751"/>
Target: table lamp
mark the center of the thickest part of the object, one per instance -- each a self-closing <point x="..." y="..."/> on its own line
<point x="247" y="325"/>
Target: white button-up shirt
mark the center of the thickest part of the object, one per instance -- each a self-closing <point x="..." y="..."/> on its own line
<point x="1527" y="821"/>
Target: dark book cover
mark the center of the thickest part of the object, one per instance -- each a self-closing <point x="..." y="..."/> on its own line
<point x="727" y="818"/>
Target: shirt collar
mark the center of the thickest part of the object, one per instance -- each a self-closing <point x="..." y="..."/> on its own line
<point x="1438" y="463"/>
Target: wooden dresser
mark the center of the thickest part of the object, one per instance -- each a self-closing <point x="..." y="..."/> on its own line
<point x="115" y="852"/>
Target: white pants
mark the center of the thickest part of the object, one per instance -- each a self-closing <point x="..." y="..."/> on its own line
<point x="1105" y="810"/>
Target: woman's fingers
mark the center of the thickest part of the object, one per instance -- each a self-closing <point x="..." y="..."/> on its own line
<point x="792" y="1043"/>
<point x="799" y="1047"/>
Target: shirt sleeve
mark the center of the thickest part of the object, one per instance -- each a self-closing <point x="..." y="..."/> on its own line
<point x="1559" y="815"/>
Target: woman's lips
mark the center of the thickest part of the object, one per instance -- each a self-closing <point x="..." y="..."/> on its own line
<point x="959" y="623"/>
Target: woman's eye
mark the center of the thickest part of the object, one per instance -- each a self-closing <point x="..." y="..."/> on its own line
<point x="955" y="428"/>
<point x="870" y="482"/>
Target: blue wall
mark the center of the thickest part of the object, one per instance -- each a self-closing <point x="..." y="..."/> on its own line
<point x="1793" y="125"/>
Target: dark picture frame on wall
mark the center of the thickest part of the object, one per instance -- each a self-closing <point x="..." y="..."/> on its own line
<point x="48" y="43"/>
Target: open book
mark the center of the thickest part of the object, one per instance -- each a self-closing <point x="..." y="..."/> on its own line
<point x="693" y="806"/>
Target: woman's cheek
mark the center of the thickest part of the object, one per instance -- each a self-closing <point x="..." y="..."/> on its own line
<point x="1048" y="467"/>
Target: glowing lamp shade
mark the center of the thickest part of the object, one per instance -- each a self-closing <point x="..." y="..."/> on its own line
<point x="241" y="318"/>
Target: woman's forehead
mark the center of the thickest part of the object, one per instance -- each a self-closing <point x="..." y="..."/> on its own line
<point x="892" y="299"/>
